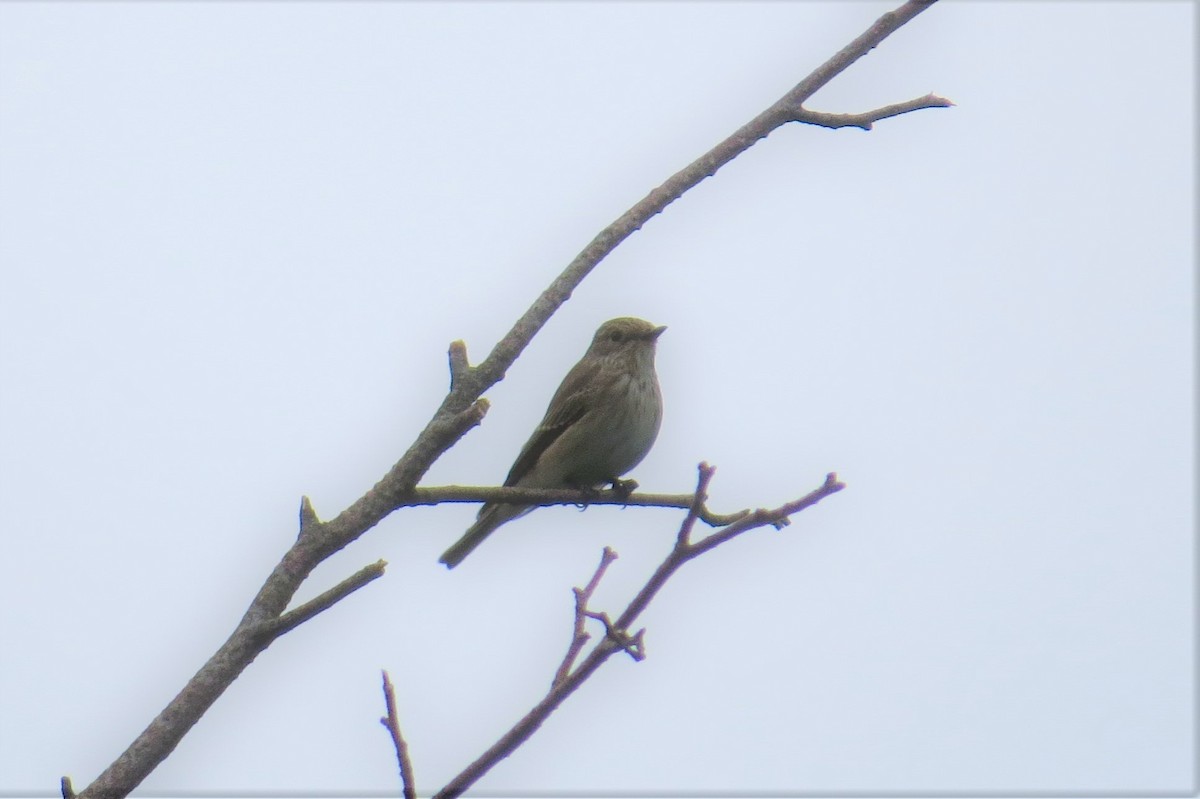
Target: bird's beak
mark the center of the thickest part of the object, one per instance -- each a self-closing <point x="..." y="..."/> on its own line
<point x="656" y="332"/>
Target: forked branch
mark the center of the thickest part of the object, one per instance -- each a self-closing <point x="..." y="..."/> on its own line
<point x="617" y="637"/>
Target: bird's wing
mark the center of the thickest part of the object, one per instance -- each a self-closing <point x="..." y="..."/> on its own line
<point x="567" y="407"/>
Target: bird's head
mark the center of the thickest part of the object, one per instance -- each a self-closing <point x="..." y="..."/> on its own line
<point x="625" y="334"/>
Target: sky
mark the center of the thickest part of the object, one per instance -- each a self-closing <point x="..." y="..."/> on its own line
<point x="236" y="240"/>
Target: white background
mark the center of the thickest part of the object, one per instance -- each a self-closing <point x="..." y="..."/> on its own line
<point x="236" y="240"/>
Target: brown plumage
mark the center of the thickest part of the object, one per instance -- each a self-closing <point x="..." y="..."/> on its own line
<point x="601" y="422"/>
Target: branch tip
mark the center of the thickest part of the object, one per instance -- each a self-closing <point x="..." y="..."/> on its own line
<point x="308" y="515"/>
<point x="459" y="365"/>
<point x="68" y="790"/>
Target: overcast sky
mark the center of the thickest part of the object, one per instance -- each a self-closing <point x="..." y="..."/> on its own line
<point x="236" y="240"/>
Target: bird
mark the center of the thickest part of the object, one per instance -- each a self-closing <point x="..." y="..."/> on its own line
<point x="601" y="422"/>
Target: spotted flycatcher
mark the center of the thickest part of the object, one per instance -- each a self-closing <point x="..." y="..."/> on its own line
<point x="600" y="424"/>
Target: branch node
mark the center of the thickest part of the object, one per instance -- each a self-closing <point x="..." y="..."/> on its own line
<point x="637" y="646"/>
<point x="633" y="644"/>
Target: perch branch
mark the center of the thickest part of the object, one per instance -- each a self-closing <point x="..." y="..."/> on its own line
<point x="437" y="495"/>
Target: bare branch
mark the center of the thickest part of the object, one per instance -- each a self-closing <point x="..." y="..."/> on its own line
<point x="460" y="410"/>
<point x="68" y="791"/>
<point x="617" y="638"/>
<point x="294" y="618"/>
<point x="788" y="108"/>
<point x="392" y="722"/>
<point x="777" y="517"/>
<point x="580" y="636"/>
<point x="866" y="119"/>
<point x="436" y="495"/>
<point x="684" y="551"/>
<point x="696" y="508"/>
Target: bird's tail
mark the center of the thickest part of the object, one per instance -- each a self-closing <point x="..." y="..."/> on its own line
<point x="490" y="517"/>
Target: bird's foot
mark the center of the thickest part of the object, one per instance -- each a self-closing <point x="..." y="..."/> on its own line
<point x="623" y="488"/>
<point x="590" y="493"/>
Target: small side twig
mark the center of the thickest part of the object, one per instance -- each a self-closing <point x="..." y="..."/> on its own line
<point x="866" y="119"/>
<point x="699" y="497"/>
<point x="68" y="790"/>
<point x="294" y="618"/>
<point x="392" y="722"/>
<point x="580" y="636"/>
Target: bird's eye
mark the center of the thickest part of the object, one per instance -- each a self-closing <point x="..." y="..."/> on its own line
<point x="614" y="336"/>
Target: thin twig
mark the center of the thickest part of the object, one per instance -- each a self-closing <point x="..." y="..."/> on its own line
<point x="392" y="722"/>
<point x="699" y="497"/>
<point x="776" y="517"/>
<point x="294" y="618"/>
<point x="867" y="119"/>
<point x="682" y="554"/>
<point x="579" y="635"/>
